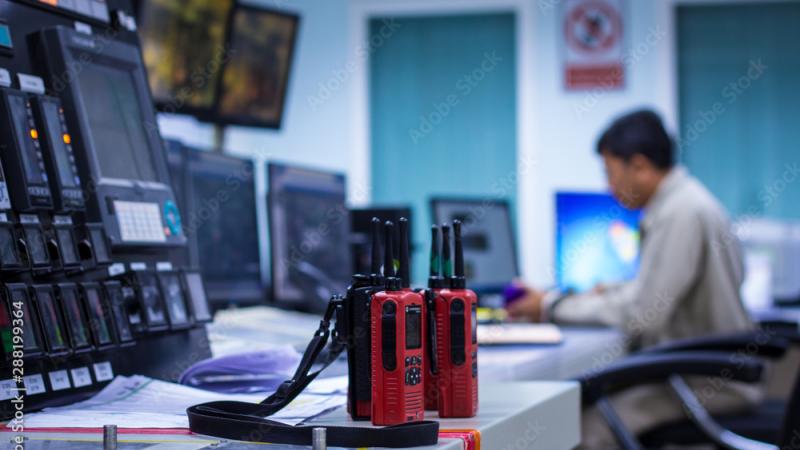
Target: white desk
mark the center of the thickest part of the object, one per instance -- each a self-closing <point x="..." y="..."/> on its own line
<point x="583" y="349"/>
<point x="532" y="415"/>
<point x="524" y="415"/>
<point x="513" y="414"/>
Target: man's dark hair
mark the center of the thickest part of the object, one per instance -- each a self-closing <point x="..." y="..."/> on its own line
<point x="639" y="132"/>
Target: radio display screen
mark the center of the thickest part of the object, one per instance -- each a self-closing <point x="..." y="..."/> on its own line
<point x="413" y="327"/>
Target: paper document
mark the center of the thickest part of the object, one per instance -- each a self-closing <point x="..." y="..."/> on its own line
<point x="141" y="402"/>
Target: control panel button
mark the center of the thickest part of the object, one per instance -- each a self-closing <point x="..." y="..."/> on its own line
<point x="59" y="380"/>
<point x="103" y="371"/>
<point x="34" y="384"/>
<point x="81" y="377"/>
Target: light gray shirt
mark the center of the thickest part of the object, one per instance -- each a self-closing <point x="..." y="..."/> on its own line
<point x="689" y="275"/>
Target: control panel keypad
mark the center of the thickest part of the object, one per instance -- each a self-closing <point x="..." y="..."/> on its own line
<point x="140" y="222"/>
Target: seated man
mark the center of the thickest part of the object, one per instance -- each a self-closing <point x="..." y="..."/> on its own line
<point x="688" y="280"/>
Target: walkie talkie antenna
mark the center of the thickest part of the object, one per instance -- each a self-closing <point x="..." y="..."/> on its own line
<point x="388" y="249"/>
<point x="436" y="264"/>
<point x="392" y="283"/>
<point x="405" y="277"/>
<point x="435" y="274"/>
<point x="458" y="281"/>
<point x="375" y="269"/>
<point x="447" y="264"/>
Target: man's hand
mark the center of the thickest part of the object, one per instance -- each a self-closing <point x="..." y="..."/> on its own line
<point x="529" y="307"/>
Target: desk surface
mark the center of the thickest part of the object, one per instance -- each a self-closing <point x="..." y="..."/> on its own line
<point x="532" y="415"/>
<point x="583" y="349"/>
<point x="512" y="414"/>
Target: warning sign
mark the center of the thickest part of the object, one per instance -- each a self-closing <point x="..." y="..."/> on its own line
<point x="593" y="44"/>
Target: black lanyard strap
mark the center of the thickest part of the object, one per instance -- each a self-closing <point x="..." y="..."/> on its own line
<point x="246" y="421"/>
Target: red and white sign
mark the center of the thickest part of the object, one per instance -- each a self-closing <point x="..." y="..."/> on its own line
<point x="593" y="44"/>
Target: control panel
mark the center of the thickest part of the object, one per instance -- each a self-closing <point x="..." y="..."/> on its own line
<point x="29" y="189"/>
<point x="65" y="183"/>
<point x="93" y="282"/>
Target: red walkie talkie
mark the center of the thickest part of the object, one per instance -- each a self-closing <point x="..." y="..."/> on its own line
<point x="456" y="337"/>
<point x="397" y="347"/>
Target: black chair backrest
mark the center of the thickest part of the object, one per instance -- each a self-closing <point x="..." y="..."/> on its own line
<point x="791" y="421"/>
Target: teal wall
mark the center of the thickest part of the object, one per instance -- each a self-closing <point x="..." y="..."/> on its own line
<point x="739" y="92"/>
<point x="442" y="114"/>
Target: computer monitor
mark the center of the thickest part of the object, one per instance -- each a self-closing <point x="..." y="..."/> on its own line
<point x="361" y="226"/>
<point x="222" y="61"/>
<point x="255" y="76"/>
<point x="490" y="254"/>
<point x="309" y="228"/>
<point x="183" y="48"/>
<point x="222" y="224"/>
<point x="597" y="241"/>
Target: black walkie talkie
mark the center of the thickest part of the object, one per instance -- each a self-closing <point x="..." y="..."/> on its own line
<point x="435" y="283"/>
<point x="357" y="312"/>
<point x="403" y="265"/>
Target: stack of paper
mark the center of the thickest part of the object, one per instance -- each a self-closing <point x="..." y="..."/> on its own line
<point x="141" y="402"/>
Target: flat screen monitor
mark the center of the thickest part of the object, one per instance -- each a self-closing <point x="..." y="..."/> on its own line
<point x="597" y="241"/>
<point x="361" y="232"/>
<point x="219" y="60"/>
<point x="309" y="229"/>
<point x="221" y="221"/>
<point x="183" y="45"/>
<point x="256" y="75"/>
<point x="490" y="253"/>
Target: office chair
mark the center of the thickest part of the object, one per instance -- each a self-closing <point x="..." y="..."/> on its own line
<point x="736" y="357"/>
<point x="774" y="423"/>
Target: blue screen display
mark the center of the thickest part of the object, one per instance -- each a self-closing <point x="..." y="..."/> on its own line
<point x="597" y="241"/>
<point x="5" y="36"/>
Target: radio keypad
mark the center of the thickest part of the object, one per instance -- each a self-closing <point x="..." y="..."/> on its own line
<point x="413" y="370"/>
